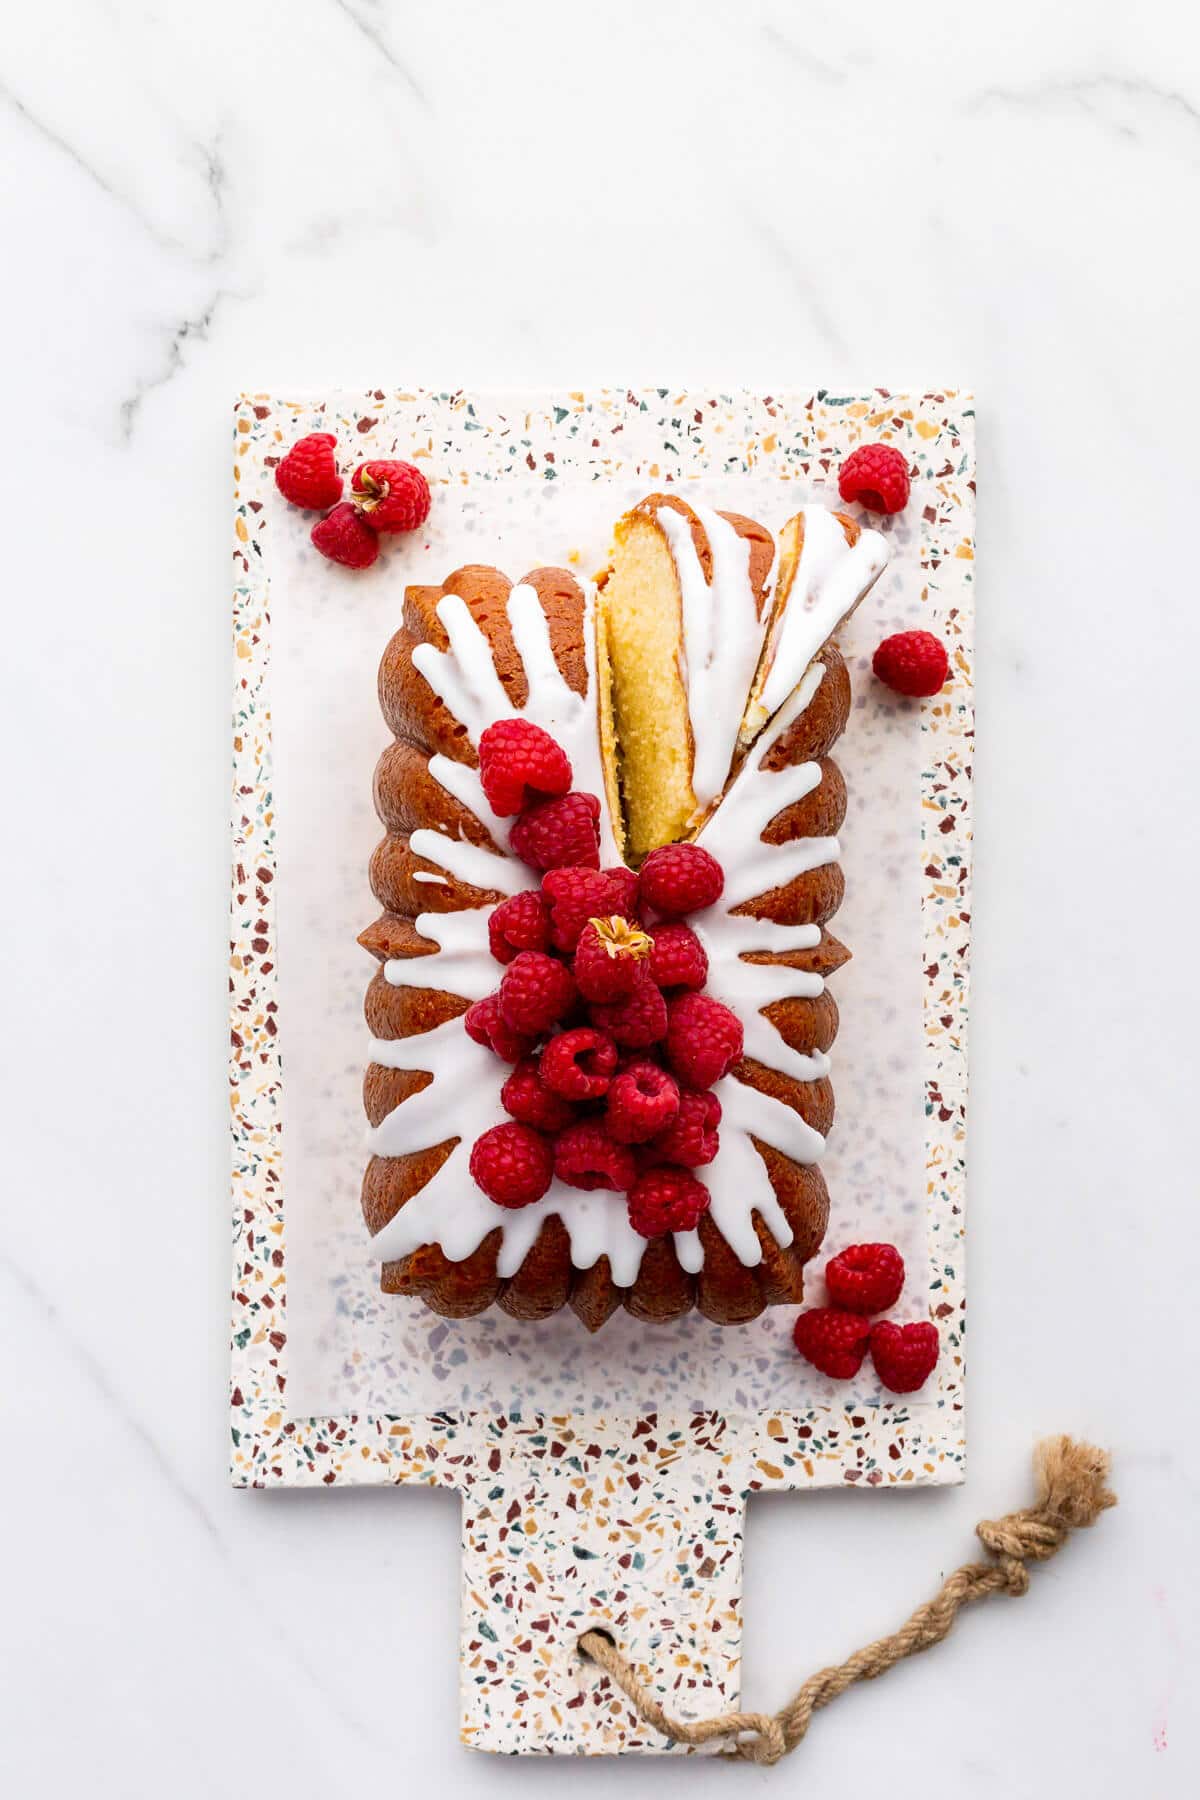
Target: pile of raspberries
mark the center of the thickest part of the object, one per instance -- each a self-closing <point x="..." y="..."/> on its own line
<point x="600" y="1008"/>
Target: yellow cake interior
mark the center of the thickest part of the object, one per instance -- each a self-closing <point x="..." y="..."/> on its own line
<point x="645" y="728"/>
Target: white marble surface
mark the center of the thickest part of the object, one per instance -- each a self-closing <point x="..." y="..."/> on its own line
<point x="342" y="190"/>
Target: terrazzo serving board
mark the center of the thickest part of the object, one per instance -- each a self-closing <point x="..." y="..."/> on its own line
<point x="603" y="1481"/>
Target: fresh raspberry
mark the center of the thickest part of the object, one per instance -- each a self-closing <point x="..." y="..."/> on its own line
<point x="624" y="885"/>
<point x="522" y="922"/>
<point x="512" y="1164"/>
<point x="518" y="762"/>
<point x="579" y="1064"/>
<point x="912" y="662"/>
<point x="905" y="1356"/>
<point x="834" y="1342"/>
<point x="536" y="991"/>
<point x="678" y="957"/>
<point x="586" y="1157"/>
<point x="866" y="1278"/>
<point x="662" y="1200"/>
<point x="636" y="1022"/>
<point x="343" y="537"/>
<point x="609" y="958"/>
<point x="393" y="496"/>
<point x="578" y="894"/>
<point x="704" y="1039"/>
<point x="486" y="1025"/>
<point x="526" y="1096"/>
<point x="691" y="1139"/>
<point x="876" y="475"/>
<point x="308" y="475"/>
<point x="680" y="878"/>
<point x="642" y="1101"/>
<point x="559" y="832"/>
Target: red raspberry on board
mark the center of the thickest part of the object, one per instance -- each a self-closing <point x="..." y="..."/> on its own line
<point x="680" y="878"/>
<point x="642" y="1101"/>
<point x="308" y="475"/>
<point x="691" y="1138"/>
<point x="557" y="833"/>
<point x="637" y="1021"/>
<point x="664" y="1200"/>
<point x="586" y="1157"/>
<point x="912" y="662"/>
<point x="832" y="1341"/>
<point x="343" y="538"/>
<point x="522" y="922"/>
<point x="905" y="1356"/>
<point x="865" y="1278"/>
<point x="526" y="1096"/>
<point x="678" y="958"/>
<point x="485" y="1024"/>
<point x="579" y="894"/>
<point x="519" y="763"/>
<point x="394" y="496"/>
<point x="609" y="957"/>
<point x="579" y="1064"/>
<point x="536" y="991"/>
<point x="704" y="1039"/>
<point x="512" y="1164"/>
<point x="876" y="475"/>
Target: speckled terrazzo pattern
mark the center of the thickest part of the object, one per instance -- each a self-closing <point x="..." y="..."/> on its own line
<point x="634" y="1522"/>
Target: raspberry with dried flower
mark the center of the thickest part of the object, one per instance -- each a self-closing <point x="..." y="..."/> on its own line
<point x="307" y="476"/>
<point x="519" y="763"/>
<point x="522" y="922"/>
<point x="876" y="475"/>
<point x="666" y="1199"/>
<point x="680" y="878"/>
<point x="642" y="1100"/>
<point x="608" y="958"/>
<point x="485" y="1024"/>
<point x="585" y="1156"/>
<point x="512" y="1164"/>
<point x="526" y="1096"/>
<point x="579" y="1064"/>
<point x="637" y="1021"/>
<point x="557" y="833"/>
<point x="392" y="496"/>
<point x="704" y="1039"/>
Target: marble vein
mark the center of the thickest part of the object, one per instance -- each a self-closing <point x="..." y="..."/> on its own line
<point x="374" y="36"/>
<point x="187" y="330"/>
<point x="65" y="148"/>
<point x="1091" y="94"/>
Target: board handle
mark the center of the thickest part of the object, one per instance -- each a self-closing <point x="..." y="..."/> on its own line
<point x="631" y="1527"/>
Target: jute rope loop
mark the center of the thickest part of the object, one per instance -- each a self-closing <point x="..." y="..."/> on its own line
<point x="1072" y="1492"/>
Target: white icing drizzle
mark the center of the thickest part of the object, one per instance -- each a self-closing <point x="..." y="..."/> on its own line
<point x="722" y="640"/>
<point x="464" y="962"/>
<point x="464" y="677"/>
<point x="830" y="579"/>
<point x="463" y="1098"/>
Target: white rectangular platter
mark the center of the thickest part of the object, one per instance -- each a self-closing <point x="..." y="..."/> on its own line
<point x="589" y="1498"/>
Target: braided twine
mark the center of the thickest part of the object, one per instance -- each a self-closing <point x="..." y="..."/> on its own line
<point x="1072" y="1493"/>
